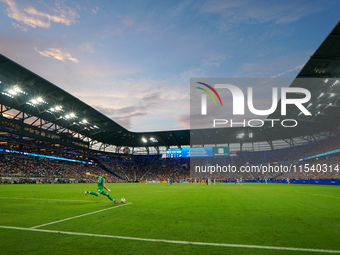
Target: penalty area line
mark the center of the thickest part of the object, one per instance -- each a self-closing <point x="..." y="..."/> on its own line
<point x="78" y="216"/>
<point x="177" y="242"/>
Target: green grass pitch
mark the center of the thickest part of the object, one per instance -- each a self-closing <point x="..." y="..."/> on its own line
<point x="274" y="215"/>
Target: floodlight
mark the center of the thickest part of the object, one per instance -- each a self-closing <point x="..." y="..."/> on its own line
<point x="321" y="95"/>
<point x="12" y="92"/>
<point x="154" y="140"/>
<point x="240" y="135"/>
<point x="70" y="116"/>
<point x="144" y="140"/>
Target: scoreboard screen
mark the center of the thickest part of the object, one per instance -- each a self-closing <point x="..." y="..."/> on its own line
<point x="198" y="152"/>
<point x="174" y="153"/>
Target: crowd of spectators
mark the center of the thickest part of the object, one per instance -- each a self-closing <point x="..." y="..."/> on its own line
<point x="29" y="169"/>
<point x="321" y="168"/>
<point x="178" y="169"/>
<point x="151" y="167"/>
<point x="292" y="153"/>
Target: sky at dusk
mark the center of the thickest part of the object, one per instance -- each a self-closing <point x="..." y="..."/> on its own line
<point x="133" y="60"/>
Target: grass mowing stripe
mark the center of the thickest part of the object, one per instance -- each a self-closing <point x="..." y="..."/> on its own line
<point x="178" y="242"/>
<point x="317" y="195"/>
<point x="78" y="216"/>
<point x="59" y="200"/>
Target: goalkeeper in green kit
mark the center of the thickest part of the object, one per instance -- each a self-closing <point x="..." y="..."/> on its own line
<point x="100" y="187"/>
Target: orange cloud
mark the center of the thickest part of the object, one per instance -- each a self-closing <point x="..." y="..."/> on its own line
<point x="31" y="17"/>
<point x="57" y="54"/>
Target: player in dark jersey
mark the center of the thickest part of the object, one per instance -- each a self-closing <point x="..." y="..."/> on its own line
<point x="100" y="187"/>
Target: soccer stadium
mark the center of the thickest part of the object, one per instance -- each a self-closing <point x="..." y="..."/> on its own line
<point x="280" y="194"/>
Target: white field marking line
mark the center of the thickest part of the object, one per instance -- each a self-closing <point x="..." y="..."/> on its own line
<point x="50" y="223"/>
<point x="317" y="195"/>
<point x="60" y="200"/>
<point x="177" y="242"/>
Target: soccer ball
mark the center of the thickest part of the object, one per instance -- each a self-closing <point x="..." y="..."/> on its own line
<point x="123" y="200"/>
<point x="88" y="173"/>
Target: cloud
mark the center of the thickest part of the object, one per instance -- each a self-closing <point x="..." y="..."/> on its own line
<point x="299" y="67"/>
<point x="95" y="10"/>
<point x="214" y="60"/>
<point x="143" y="28"/>
<point x="126" y="121"/>
<point x="114" y="112"/>
<point x="180" y="8"/>
<point x="123" y="116"/>
<point x="57" y="54"/>
<point x="183" y="120"/>
<point x="254" y="70"/>
<point x="28" y="16"/>
<point x="86" y="47"/>
<point x="125" y="24"/>
<point x="128" y="21"/>
<point x="141" y="104"/>
<point x="237" y="12"/>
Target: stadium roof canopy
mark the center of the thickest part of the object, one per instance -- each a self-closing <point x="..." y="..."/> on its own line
<point x="25" y="91"/>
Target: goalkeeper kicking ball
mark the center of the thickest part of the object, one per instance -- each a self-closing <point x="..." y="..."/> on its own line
<point x="123" y="200"/>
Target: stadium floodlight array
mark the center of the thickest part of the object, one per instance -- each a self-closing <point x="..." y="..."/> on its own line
<point x="14" y="91"/>
<point x="151" y="139"/>
<point x="57" y="108"/>
<point x="70" y="116"/>
<point x="39" y="101"/>
<point x="36" y="101"/>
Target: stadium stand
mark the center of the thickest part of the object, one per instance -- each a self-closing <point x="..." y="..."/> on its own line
<point x="67" y="144"/>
